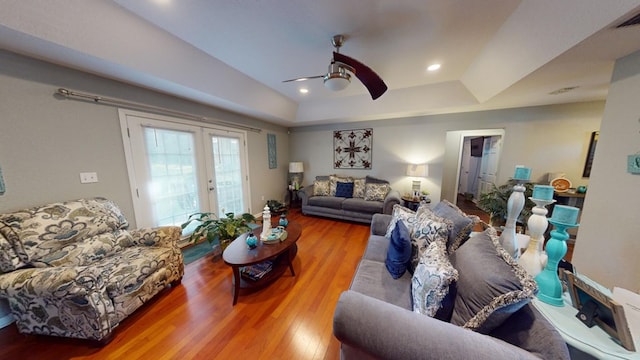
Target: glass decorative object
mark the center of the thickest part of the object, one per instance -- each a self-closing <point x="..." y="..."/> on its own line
<point x="283" y="220"/>
<point x="252" y="241"/>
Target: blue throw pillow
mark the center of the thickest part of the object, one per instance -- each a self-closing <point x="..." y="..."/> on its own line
<point x="399" y="253"/>
<point x="344" y="189"/>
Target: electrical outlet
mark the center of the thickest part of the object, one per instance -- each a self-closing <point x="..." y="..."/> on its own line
<point x="262" y="197"/>
<point x="88" y="177"/>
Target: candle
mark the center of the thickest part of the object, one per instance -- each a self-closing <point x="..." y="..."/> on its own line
<point x="542" y="192"/>
<point x="565" y="214"/>
<point x="522" y="173"/>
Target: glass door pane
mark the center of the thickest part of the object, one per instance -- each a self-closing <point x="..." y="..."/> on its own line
<point x="228" y="174"/>
<point x="173" y="191"/>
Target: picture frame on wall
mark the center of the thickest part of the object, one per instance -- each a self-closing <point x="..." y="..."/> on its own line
<point x="352" y="149"/>
<point x="271" y="151"/>
<point x="597" y="308"/>
<point x="590" y="154"/>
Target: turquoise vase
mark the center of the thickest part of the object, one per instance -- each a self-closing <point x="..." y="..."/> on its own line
<point x="252" y="241"/>
<point x="548" y="281"/>
<point x="283" y="221"/>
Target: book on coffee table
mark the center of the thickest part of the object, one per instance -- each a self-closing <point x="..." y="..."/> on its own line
<point x="257" y="271"/>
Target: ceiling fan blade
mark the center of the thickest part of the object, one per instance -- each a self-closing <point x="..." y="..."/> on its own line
<point x="368" y="77"/>
<point x="304" y="78"/>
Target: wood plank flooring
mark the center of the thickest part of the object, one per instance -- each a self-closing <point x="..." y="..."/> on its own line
<point x="290" y="319"/>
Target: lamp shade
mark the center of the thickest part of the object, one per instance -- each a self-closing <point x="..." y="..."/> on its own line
<point x="336" y="83"/>
<point x="296" y="167"/>
<point x="417" y="170"/>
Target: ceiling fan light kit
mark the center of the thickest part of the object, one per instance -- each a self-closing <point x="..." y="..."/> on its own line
<point x="338" y="76"/>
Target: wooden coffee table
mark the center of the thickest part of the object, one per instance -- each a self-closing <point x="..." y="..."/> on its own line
<point x="238" y="255"/>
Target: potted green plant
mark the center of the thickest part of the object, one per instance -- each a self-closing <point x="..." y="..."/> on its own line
<point x="224" y="229"/>
<point x="276" y="207"/>
<point x="495" y="202"/>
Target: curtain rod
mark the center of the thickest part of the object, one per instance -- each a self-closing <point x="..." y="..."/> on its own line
<point x="137" y="106"/>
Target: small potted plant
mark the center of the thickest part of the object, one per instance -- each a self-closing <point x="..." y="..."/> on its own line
<point x="276" y="207"/>
<point x="224" y="229"/>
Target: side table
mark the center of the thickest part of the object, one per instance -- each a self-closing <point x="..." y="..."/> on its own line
<point x="591" y="343"/>
<point x="294" y="199"/>
<point x="414" y="204"/>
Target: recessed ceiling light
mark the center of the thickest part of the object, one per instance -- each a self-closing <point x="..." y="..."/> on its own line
<point x="303" y="91"/>
<point x="433" y="67"/>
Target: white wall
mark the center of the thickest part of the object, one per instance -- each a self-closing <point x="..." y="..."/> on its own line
<point x="545" y="138"/>
<point x="46" y="141"/>
<point x="608" y="245"/>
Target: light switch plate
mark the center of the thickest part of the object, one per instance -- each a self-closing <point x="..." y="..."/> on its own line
<point x="88" y="177"/>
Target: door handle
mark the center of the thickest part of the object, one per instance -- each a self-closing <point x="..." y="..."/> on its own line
<point x="211" y="188"/>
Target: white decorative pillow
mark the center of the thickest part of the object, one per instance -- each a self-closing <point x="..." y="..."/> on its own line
<point x="321" y="188"/>
<point x="401" y="213"/>
<point x="376" y="192"/>
<point x="431" y="279"/>
<point x="428" y="227"/>
<point x="358" y="188"/>
<point x="333" y="183"/>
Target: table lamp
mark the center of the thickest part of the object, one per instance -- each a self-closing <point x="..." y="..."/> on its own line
<point x="417" y="171"/>
<point x="296" y="170"/>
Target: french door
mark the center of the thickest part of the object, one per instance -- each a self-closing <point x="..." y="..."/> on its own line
<point x="177" y="167"/>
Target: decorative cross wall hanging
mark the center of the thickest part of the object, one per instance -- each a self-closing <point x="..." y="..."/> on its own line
<point x="352" y="149"/>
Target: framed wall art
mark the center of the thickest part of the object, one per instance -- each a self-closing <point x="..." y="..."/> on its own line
<point x="271" y="151"/>
<point x="590" y="154"/>
<point x="352" y="149"/>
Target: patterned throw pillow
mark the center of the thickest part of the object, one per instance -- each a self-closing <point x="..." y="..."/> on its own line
<point x="321" y="188"/>
<point x="428" y="228"/>
<point x="376" y="192"/>
<point x="431" y="279"/>
<point x="492" y="286"/>
<point x="358" y="188"/>
<point x="399" y="252"/>
<point x="344" y="189"/>
<point x="401" y="213"/>
<point x="462" y="223"/>
<point x="333" y="183"/>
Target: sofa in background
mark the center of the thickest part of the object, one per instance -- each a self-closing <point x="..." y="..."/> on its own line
<point x="483" y="312"/>
<point x="72" y="269"/>
<point x="347" y="198"/>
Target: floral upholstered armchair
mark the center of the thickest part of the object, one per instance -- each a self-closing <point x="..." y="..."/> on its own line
<point x="73" y="269"/>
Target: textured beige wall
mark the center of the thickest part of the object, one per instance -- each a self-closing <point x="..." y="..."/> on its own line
<point x="608" y="243"/>
<point x="46" y="141"/>
<point x="545" y="138"/>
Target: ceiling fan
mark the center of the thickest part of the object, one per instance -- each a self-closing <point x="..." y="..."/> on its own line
<point x="338" y="76"/>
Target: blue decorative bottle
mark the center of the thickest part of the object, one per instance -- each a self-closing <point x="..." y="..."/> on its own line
<point x="252" y="241"/>
<point x="283" y="220"/>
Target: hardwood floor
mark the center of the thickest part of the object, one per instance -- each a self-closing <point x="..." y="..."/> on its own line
<point x="290" y="319"/>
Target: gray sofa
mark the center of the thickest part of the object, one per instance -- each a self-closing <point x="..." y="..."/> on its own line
<point x="374" y="319"/>
<point x="356" y="209"/>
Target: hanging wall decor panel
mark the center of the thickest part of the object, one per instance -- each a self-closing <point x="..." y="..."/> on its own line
<point x="352" y="149"/>
<point x="271" y="151"/>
